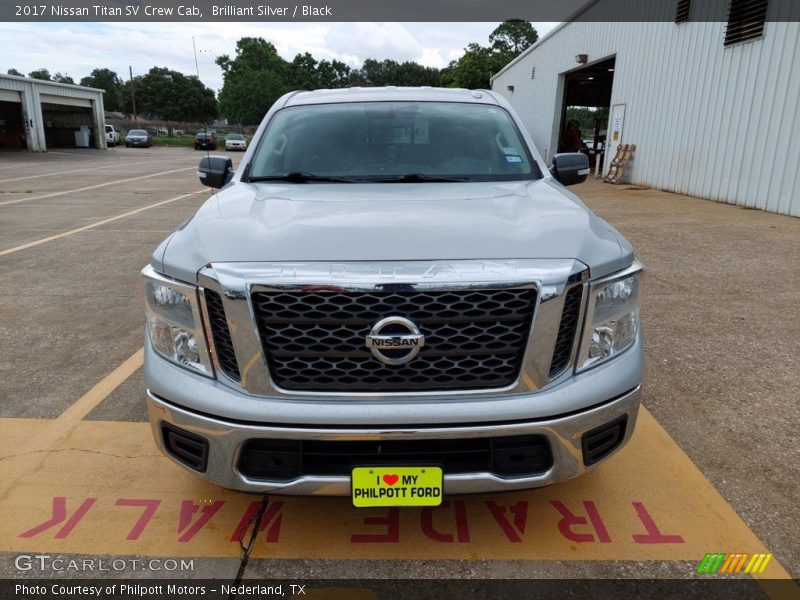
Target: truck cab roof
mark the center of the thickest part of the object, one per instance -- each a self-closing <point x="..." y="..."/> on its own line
<point x="391" y="93"/>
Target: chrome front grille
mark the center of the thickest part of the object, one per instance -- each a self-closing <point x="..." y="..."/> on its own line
<point x="315" y="340"/>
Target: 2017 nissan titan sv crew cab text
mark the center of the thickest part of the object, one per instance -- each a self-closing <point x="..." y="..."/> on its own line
<point x="392" y="289"/>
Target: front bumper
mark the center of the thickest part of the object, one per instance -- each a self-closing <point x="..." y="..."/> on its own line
<point x="225" y="438"/>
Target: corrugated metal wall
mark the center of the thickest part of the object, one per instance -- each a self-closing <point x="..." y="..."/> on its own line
<point x="708" y="121"/>
<point x="33" y="92"/>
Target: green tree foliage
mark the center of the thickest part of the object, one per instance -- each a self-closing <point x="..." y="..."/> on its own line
<point x="305" y="73"/>
<point x="14" y="72"/>
<point x="332" y="74"/>
<point x="257" y="76"/>
<point x="473" y="69"/>
<point x="42" y="74"/>
<point x="63" y="78"/>
<point x="586" y="117"/>
<point x="171" y="96"/>
<point x="253" y="80"/>
<point x="477" y="65"/>
<point x="512" y="37"/>
<point x="390" y="72"/>
<point x="108" y="80"/>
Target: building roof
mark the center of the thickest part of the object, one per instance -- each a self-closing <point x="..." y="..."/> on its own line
<point x="53" y="83"/>
<point x="542" y="39"/>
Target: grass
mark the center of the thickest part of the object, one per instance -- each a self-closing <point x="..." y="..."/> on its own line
<point x="164" y="140"/>
<point x="184" y="141"/>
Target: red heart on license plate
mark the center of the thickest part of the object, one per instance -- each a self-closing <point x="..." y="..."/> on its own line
<point x="390" y="479"/>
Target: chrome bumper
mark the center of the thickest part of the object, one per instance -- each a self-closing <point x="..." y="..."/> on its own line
<point x="225" y="440"/>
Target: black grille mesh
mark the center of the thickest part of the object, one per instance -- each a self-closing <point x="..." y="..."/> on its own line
<point x="222" y="335"/>
<point x="566" y="330"/>
<point x="315" y="340"/>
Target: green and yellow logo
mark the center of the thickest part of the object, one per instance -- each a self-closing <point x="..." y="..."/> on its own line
<point x="719" y="562"/>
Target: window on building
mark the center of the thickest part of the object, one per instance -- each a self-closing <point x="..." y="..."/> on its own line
<point x="682" y="13"/>
<point x="745" y="21"/>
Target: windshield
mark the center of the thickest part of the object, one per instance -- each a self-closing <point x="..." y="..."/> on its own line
<point x="235" y="136"/>
<point x="137" y="132"/>
<point x="391" y="141"/>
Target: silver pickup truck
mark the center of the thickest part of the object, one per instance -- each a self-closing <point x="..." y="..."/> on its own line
<point x="393" y="298"/>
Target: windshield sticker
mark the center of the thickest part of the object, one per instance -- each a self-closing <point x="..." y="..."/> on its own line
<point x="513" y="158"/>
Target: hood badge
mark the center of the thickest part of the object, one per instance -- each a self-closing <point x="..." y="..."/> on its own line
<point x="395" y="335"/>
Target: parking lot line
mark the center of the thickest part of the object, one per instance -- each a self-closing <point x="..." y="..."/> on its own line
<point x="96" y="224"/>
<point x="78" y="410"/>
<point x="32" y="448"/>
<point x="116" y="164"/>
<point x="94" y="187"/>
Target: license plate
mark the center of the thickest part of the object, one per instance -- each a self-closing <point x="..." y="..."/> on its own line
<point x="396" y="486"/>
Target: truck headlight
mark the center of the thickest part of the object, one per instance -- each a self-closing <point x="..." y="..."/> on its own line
<point x="174" y="322"/>
<point x="612" y="321"/>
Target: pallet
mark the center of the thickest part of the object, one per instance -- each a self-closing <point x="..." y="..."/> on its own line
<point x="617" y="167"/>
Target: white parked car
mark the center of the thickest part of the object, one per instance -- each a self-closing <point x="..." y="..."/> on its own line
<point x="235" y="141"/>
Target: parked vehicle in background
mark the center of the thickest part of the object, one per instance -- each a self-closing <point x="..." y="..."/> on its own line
<point x="139" y="138"/>
<point x="235" y="141"/>
<point x="393" y="298"/>
<point x="112" y="136"/>
<point x="205" y="140"/>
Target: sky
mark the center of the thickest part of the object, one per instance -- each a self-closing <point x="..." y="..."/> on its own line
<point x="78" y="48"/>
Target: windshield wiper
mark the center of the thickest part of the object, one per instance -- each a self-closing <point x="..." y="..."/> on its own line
<point x="299" y="177"/>
<point x="416" y="178"/>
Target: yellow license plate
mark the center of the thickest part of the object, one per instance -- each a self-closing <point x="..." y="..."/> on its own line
<point x="396" y="486"/>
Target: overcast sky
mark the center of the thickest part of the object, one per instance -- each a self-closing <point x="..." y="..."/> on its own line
<point x="78" y="48"/>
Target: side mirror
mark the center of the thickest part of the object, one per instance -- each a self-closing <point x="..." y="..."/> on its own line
<point x="570" y="168"/>
<point x="215" y="171"/>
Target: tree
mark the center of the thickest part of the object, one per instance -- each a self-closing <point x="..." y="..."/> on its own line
<point x="390" y="72"/>
<point x="512" y="37"/>
<point x="63" y="78"/>
<point x="110" y="82"/>
<point x="303" y="73"/>
<point x="171" y="96"/>
<point x="473" y="69"/>
<point x="42" y="74"/>
<point x="332" y="74"/>
<point x="586" y="117"/>
<point x="255" y="79"/>
<point x="14" y="72"/>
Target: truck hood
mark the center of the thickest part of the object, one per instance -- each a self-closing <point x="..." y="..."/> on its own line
<point x="391" y="222"/>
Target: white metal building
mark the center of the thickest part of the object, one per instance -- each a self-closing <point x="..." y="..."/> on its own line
<point x="38" y="115"/>
<point x="713" y="107"/>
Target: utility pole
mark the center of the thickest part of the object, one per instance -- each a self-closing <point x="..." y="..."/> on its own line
<point x="133" y="97"/>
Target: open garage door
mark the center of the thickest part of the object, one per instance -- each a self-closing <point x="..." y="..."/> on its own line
<point x="585" y="109"/>
<point x="12" y="125"/>
<point x="63" y="117"/>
